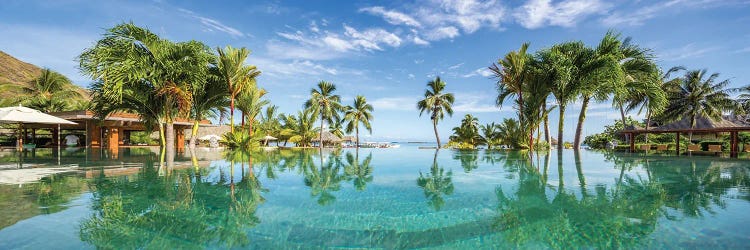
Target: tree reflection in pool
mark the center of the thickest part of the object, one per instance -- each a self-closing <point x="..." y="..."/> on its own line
<point x="405" y="198"/>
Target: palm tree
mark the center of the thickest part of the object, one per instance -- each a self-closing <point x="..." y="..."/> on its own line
<point x="129" y="56"/>
<point x="236" y="75"/>
<point x="699" y="95"/>
<point x="436" y="103"/>
<point x="269" y="123"/>
<point x="251" y="103"/>
<point x="489" y="134"/>
<point x="597" y="75"/>
<point x="361" y="112"/>
<point x="563" y="61"/>
<point x="325" y="104"/>
<point x="511" y="74"/>
<point x="302" y="127"/>
<point x="337" y="127"/>
<point x="652" y="94"/>
<point x="636" y="78"/>
<point x="209" y="101"/>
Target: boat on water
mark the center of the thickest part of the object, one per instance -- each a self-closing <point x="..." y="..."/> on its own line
<point x="380" y="145"/>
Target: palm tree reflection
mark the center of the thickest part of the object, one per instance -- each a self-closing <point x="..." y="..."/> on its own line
<point x="436" y="184"/>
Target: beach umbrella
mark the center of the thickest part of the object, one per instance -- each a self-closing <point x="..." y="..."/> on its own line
<point x="22" y="115"/>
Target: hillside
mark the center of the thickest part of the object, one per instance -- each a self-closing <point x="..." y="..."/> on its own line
<point x="19" y="72"/>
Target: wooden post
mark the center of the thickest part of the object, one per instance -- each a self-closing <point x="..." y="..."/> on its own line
<point x="678" y="143"/>
<point x="733" y="141"/>
<point x="632" y="143"/>
<point x="179" y="138"/>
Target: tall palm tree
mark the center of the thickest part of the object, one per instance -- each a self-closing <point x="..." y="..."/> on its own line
<point x="436" y="103"/>
<point x="337" y="127"/>
<point x="597" y="75"/>
<point x="636" y="67"/>
<point x="511" y="73"/>
<point x="129" y="56"/>
<point x="325" y="104"/>
<point x="210" y="100"/>
<point x="361" y="112"/>
<point x="564" y="61"/>
<point x="235" y="73"/>
<point x="699" y="95"/>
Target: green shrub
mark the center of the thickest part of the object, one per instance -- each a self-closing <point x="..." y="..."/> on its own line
<point x="142" y="137"/>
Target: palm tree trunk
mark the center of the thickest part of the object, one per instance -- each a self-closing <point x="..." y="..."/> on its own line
<point x="170" y="148"/>
<point x="356" y="129"/>
<point x="692" y="125"/>
<point x="648" y="122"/>
<point x="560" y="124"/>
<point x="624" y="125"/>
<point x="320" y="135"/>
<point x="579" y="127"/>
<point x="193" y="134"/>
<point x="162" y="137"/>
<point x="547" y="136"/>
<point x="231" y="114"/>
<point x="434" y="127"/>
<point x="520" y="105"/>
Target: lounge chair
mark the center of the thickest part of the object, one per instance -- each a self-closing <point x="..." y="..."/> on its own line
<point x="661" y="147"/>
<point x="714" y="148"/>
<point x="692" y="148"/>
<point x="646" y="147"/>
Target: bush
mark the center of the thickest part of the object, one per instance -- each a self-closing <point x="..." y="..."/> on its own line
<point x="142" y="137"/>
<point x="240" y="139"/>
<point x="598" y="141"/>
<point x="459" y="145"/>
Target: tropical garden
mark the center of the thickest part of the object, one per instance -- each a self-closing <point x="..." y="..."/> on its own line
<point x="615" y="70"/>
<point x="135" y="70"/>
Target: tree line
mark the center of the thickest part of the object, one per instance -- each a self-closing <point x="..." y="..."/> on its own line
<point x="615" y="70"/>
<point x="135" y="70"/>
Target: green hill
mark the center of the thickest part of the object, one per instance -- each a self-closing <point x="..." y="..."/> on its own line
<point x="21" y="73"/>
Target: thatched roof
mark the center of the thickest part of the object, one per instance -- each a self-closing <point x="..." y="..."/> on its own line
<point x="702" y="124"/>
<point x="349" y="138"/>
<point x="328" y="137"/>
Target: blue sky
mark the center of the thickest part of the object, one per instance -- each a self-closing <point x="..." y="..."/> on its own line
<point x="388" y="51"/>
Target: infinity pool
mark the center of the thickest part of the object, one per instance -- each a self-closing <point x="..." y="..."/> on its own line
<point x="372" y="198"/>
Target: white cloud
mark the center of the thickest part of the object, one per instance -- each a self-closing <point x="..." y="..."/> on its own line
<point x="441" y="19"/>
<point x="401" y="103"/>
<point x="477" y="103"/>
<point x="213" y="24"/>
<point x="391" y="16"/>
<point x="324" y="45"/>
<point x="688" y="51"/>
<point x="298" y="68"/>
<point x="441" y="33"/>
<point x="411" y="76"/>
<point x="539" y="13"/>
<point x="456" y="66"/>
<point x="484" y="72"/>
<point x="641" y="15"/>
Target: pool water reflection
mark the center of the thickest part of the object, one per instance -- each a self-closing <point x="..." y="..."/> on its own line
<point x="376" y="198"/>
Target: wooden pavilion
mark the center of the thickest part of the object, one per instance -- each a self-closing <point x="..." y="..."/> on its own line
<point x="113" y="131"/>
<point x="703" y="125"/>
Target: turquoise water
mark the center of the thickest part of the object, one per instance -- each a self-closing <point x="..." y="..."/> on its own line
<point x="373" y="198"/>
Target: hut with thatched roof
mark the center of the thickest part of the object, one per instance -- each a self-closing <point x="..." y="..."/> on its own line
<point x="328" y="139"/>
<point x="701" y="126"/>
